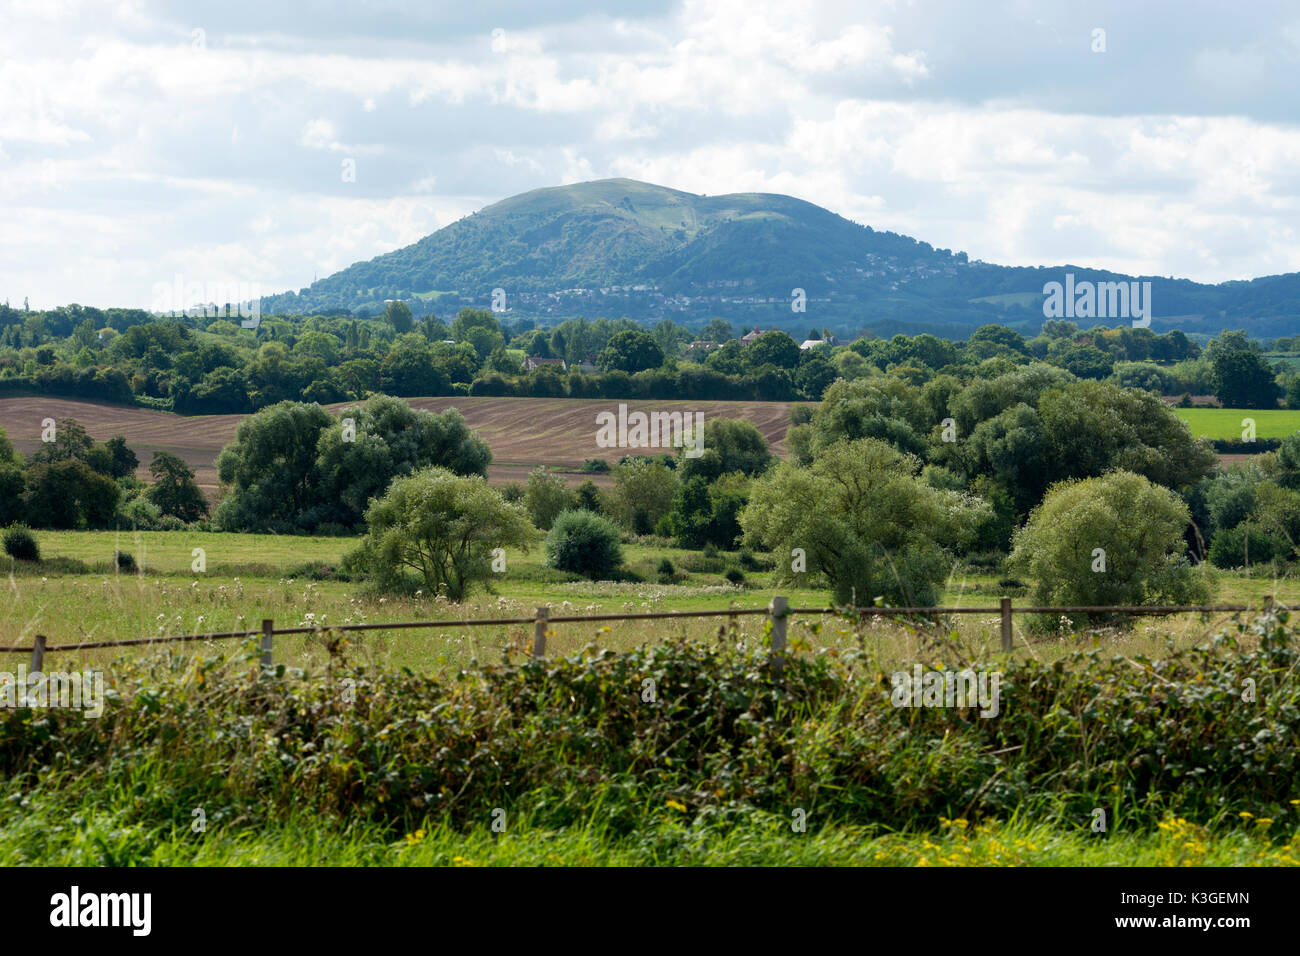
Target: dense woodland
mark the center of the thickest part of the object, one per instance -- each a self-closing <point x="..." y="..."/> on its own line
<point x="211" y="365"/>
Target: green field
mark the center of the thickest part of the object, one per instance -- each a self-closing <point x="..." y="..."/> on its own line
<point x="288" y="580"/>
<point x="291" y="580"/>
<point x="1226" y="423"/>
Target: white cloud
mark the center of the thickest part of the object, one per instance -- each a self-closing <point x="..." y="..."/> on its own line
<point x="122" y="144"/>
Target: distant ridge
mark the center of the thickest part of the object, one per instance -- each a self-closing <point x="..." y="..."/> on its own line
<point x="619" y="247"/>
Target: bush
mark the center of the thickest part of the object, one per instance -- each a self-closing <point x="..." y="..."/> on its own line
<point x="665" y="570"/>
<point x="583" y="543"/>
<point x="595" y="466"/>
<point x="1117" y="539"/>
<point x="20" y="544"/>
<point x="545" y="496"/>
<point x="735" y="576"/>
<point x="1171" y="739"/>
<point x="124" y="561"/>
<point x="1243" y="546"/>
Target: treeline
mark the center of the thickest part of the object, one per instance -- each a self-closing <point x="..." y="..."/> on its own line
<point x="197" y="365"/>
<point x="73" y="482"/>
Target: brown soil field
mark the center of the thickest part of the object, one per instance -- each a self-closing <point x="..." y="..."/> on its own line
<point x="522" y="432"/>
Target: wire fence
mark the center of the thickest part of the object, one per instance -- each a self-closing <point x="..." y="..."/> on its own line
<point x="777" y="612"/>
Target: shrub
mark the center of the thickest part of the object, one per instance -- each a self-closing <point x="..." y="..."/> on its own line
<point x="437" y="530"/>
<point x="595" y="466"/>
<point x="545" y="496"/>
<point x="1117" y="539"/>
<point x="1243" y="546"/>
<point x="665" y="570"/>
<point x="20" y="544"/>
<point x="735" y="576"/>
<point x="124" y="561"/>
<point x="583" y="543"/>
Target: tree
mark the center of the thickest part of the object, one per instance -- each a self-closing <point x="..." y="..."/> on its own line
<point x="730" y="444"/>
<point x="398" y="315"/>
<point x="174" y="490"/>
<point x="70" y="440"/>
<point x="468" y="318"/>
<point x="773" y="348"/>
<point x="1243" y="379"/>
<point x="410" y="370"/>
<point x="442" y="528"/>
<point x="122" y="460"/>
<point x="270" y="468"/>
<point x="643" y="493"/>
<point x="718" y="330"/>
<point x="545" y="496"/>
<point x="387" y="438"/>
<point x="69" y="494"/>
<point x="631" y="352"/>
<point x="860" y="515"/>
<point x="1113" y="540"/>
<point x="582" y="542"/>
<point x="707" y="512"/>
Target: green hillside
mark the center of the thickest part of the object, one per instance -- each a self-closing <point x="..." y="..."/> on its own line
<point x="618" y="247"/>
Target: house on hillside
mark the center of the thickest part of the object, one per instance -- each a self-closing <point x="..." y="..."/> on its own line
<point x="588" y="365"/>
<point x="813" y="343"/>
<point x="749" y="338"/>
<point x="536" y="362"/>
<point x="696" y="351"/>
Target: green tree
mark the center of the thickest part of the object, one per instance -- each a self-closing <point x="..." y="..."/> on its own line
<point x="861" y="516"/>
<point x="69" y="494"/>
<point x="773" y="348"/>
<point x="441" y="528"/>
<point x="270" y="469"/>
<point x="1112" y="540"/>
<point x="70" y="441"/>
<point x="545" y="496"/>
<point x="730" y="444"/>
<point x="174" y="490"/>
<point x="386" y="438"/>
<point x="398" y="315"/>
<point x="582" y="542"/>
<point x="468" y="318"/>
<point x="643" y="493"/>
<point x="718" y="330"/>
<point x="1243" y="379"/>
<point x="631" y="352"/>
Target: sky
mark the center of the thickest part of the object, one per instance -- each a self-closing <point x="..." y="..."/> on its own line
<point x="260" y="145"/>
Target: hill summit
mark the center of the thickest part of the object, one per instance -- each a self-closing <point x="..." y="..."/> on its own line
<point x="619" y="247"/>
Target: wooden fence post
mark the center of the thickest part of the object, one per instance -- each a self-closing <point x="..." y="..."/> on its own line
<point x="268" y="629"/>
<point x="1007" y="635"/>
<point x="539" y="632"/>
<point x="38" y="655"/>
<point x="1268" y="604"/>
<point x="778" y="611"/>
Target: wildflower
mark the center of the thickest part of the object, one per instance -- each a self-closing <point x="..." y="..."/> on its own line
<point x="679" y="807"/>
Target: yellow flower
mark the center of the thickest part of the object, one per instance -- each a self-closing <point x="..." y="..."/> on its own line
<point x="681" y="808"/>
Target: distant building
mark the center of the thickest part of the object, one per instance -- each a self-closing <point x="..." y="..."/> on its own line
<point x="749" y="338"/>
<point x="697" y="350"/>
<point x="535" y="362"/>
<point x="588" y="365"/>
<point x="813" y="343"/>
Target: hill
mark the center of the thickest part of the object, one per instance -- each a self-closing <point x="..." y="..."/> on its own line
<point x="618" y="247"/>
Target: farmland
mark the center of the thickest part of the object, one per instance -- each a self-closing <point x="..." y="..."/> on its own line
<point x="1226" y="423"/>
<point x="523" y="433"/>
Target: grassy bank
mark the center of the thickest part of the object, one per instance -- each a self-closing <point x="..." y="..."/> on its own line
<point x="678" y="752"/>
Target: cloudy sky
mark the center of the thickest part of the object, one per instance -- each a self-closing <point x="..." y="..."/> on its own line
<point x="264" y="143"/>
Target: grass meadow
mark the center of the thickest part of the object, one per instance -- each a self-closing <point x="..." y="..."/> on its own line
<point x="1226" y="423"/>
<point x="115" y="809"/>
